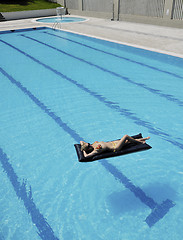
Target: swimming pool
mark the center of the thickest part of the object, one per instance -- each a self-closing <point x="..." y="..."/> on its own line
<point x="58" y="88"/>
<point x="62" y="20"/>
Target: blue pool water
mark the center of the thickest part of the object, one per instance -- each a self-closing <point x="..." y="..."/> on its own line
<point x="57" y="88"/>
<point x="63" y="19"/>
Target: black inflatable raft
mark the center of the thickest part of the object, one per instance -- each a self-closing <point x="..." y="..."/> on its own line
<point x="129" y="148"/>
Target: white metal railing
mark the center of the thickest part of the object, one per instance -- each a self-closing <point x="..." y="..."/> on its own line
<point x="59" y="11"/>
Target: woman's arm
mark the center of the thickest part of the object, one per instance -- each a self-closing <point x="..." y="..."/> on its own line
<point x="90" y="154"/>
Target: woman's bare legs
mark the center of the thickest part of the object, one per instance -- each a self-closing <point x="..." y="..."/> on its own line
<point x="127" y="139"/>
<point x="143" y="140"/>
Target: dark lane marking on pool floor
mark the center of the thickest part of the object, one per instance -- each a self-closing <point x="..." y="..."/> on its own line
<point x="115" y="55"/>
<point x="110" y="104"/>
<point x="158" y="210"/>
<point x="168" y="97"/>
<point x="44" y="229"/>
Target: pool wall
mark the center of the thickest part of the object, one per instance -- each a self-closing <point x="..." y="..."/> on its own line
<point x="29" y="14"/>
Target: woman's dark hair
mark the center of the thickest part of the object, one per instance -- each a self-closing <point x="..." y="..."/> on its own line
<point x="89" y="149"/>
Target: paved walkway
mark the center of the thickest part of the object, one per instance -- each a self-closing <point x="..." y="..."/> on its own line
<point x="157" y="38"/>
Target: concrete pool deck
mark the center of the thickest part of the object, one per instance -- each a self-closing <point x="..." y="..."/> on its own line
<point x="157" y="38"/>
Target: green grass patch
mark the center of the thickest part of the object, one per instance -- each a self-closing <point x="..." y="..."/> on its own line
<point x="28" y="5"/>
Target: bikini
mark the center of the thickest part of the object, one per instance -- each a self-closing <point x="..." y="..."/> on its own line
<point x="99" y="146"/>
<point x="114" y="146"/>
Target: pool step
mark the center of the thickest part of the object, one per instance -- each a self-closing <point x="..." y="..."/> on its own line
<point x="2" y="18"/>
